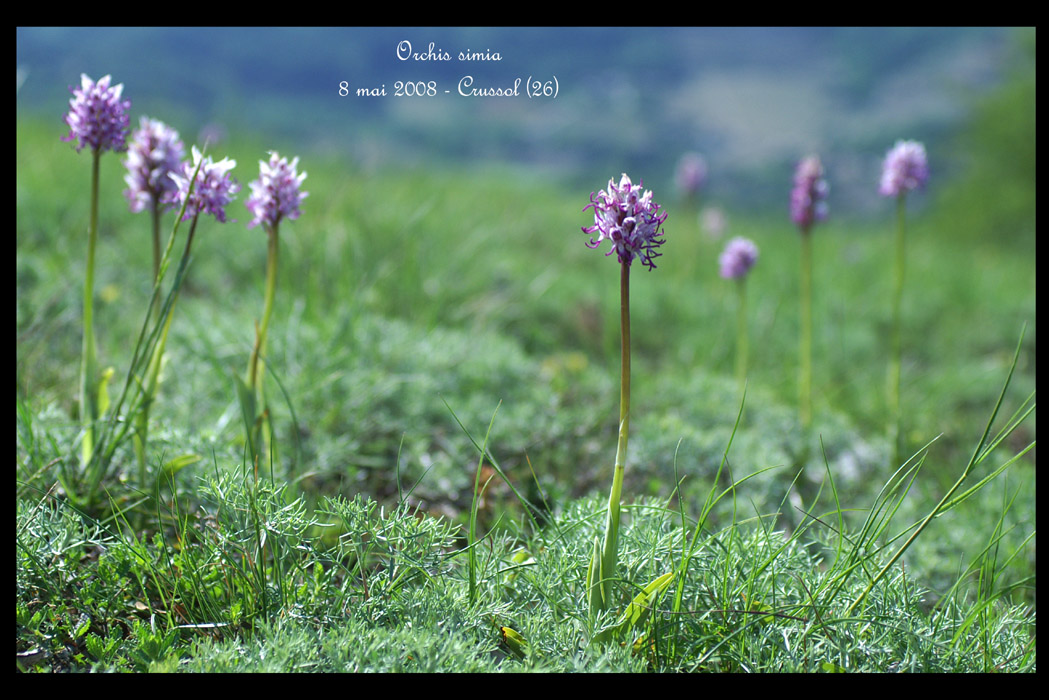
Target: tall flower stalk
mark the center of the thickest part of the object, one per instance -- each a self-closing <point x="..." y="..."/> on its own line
<point x="155" y="152"/>
<point x="735" y="262"/>
<point x="276" y="195"/>
<point x="97" y="119"/>
<point x="625" y="215"/>
<point x="905" y="169"/>
<point x="807" y="206"/>
<point x="209" y="192"/>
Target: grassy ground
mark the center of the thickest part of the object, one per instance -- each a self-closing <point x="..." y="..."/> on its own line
<point x="411" y="307"/>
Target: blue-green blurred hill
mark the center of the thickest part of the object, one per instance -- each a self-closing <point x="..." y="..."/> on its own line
<point x="753" y="100"/>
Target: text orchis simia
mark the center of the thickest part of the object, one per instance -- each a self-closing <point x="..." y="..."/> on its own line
<point x="432" y="53"/>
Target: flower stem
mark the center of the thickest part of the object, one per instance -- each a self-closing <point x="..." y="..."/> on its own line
<point x="153" y="378"/>
<point x="600" y="591"/>
<point x="89" y="353"/>
<point x="271" y="287"/>
<point x="741" y="331"/>
<point x="156" y="249"/>
<point x="895" y="354"/>
<point x="256" y="364"/>
<point x="805" y="374"/>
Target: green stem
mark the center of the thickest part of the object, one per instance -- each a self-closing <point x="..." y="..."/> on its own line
<point x="255" y="364"/>
<point x="156" y="238"/>
<point x="89" y="353"/>
<point x="741" y="331"/>
<point x="601" y="588"/>
<point x="156" y="249"/>
<point x="153" y="377"/>
<point x="895" y="354"/>
<point x="805" y="374"/>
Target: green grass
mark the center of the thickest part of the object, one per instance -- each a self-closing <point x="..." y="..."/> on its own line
<point x="402" y="295"/>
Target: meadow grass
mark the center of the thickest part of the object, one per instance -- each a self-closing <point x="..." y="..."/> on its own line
<point x="411" y="306"/>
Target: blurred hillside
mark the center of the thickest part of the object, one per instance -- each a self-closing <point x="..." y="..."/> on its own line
<point x="993" y="192"/>
<point x="753" y="100"/>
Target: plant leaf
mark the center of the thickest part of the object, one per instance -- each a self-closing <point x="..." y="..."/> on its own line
<point x="179" y="463"/>
<point x="103" y="391"/>
<point x="513" y="641"/>
<point x="637" y="611"/>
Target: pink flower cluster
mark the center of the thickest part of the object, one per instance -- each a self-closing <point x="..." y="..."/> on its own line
<point x="276" y="194"/>
<point x="155" y="152"/>
<point x="214" y="187"/>
<point x="691" y="173"/>
<point x="808" y="199"/>
<point x="738" y="257"/>
<point x="97" y="117"/>
<point x="626" y="215"/>
<point x="906" y="168"/>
